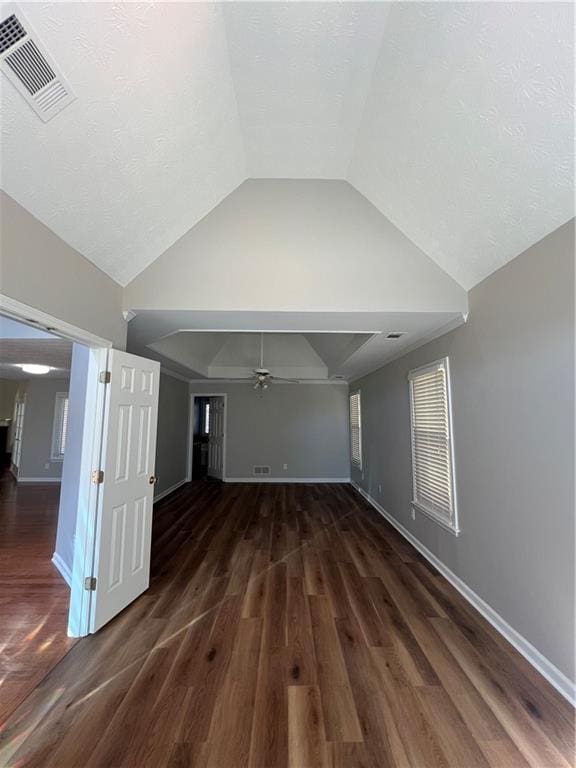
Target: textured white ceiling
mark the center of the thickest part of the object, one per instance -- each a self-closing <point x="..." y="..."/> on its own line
<point x="150" y="146"/>
<point x="466" y="142"/>
<point x="301" y="72"/>
<point x="454" y="119"/>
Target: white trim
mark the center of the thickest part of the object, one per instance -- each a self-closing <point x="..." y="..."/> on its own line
<point x="544" y="666"/>
<point x="261" y="330"/>
<point x="432" y="515"/>
<point x="170" y="490"/>
<point x="451" y="325"/>
<point x="215" y="382"/>
<point x="287" y="480"/>
<point x="190" y="438"/>
<point x="64" y="570"/>
<point x="56" y="423"/>
<point x="352" y="393"/>
<point x="86" y="519"/>
<point x="25" y="313"/>
<point x="39" y="479"/>
<point x="446" y="518"/>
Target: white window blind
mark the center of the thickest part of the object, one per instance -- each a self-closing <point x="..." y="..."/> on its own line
<point x="356" y="429"/>
<point x="60" y="428"/>
<point x="432" y="449"/>
<point x="18" y="429"/>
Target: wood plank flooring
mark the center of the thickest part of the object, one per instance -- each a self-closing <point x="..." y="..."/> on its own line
<point x="290" y="627"/>
<point x="34" y="597"/>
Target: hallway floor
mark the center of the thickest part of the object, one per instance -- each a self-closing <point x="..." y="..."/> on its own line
<point x="290" y="626"/>
<point x="34" y="597"/>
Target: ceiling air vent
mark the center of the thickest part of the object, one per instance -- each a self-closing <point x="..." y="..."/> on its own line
<point x="26" y="63"/>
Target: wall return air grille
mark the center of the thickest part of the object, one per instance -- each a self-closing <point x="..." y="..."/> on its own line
<point x="30" y="68"/>
<point x="261" y="470"/>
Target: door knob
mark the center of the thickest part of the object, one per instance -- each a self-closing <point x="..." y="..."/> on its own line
<point x="152" y="479"/>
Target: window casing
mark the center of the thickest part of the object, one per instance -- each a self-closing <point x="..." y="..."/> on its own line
<point x="434" y="487"/>
<point x="356" y="429"/>
<point x="18" y="429"/>
<point x="60" y="427"/>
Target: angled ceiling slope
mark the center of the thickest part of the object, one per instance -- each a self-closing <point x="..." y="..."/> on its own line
<point x="454" y="119"/>
<point x="295" y="246"/>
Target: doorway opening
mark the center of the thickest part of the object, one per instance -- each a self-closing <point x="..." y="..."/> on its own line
<point x="38" y="430"/>
<point x="110" y="409"/>
<point x="207" y="457"/>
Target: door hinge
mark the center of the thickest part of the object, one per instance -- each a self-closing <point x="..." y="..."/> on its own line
<point x="105" y="377"/>
<point x="98" y="476"/>
<point x="90" y="583"/>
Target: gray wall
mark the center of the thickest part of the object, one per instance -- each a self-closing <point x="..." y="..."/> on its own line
<point x="300" y="245"/>
<point x="38" y="425"/>
<point x="302" y="425"/>
<point x="71" y="474"/>
<point x="172" y="439"/>
<point x="512" y="369"/>
<point x="41" y="270"/>
<point x="8" y="389"/>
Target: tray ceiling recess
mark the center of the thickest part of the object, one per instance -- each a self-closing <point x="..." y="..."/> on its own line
<point x="30" y="68"/>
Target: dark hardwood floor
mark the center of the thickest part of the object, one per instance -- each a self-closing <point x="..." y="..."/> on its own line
<point x="290" y="626"/>
<point x="34" y="597"/>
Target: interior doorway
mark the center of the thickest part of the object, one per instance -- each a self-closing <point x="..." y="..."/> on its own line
<point x="207" y="457"/>
<point x="35" y="423"/>
<point x="113" y="472"/>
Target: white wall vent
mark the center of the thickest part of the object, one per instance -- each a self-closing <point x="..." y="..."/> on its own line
<point x="26" y="63"/>
<point x="260" y="470"/>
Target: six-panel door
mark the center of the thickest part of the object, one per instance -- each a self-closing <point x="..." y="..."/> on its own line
<point x="123" y="536"/>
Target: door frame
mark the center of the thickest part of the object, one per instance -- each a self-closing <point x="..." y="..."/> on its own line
<point x="86" y="518"/>
<point x="191" y="431"/>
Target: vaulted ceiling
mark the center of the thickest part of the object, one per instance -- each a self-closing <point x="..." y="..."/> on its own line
<point x="453" y="119"/>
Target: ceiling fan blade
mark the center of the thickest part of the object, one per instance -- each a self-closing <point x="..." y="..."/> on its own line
<point x="280" y="378"/>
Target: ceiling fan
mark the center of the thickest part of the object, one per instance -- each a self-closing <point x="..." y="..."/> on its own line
<point x="263" y="377"/>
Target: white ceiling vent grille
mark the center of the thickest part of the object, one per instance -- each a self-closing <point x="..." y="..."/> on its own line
<point x="26" y="63"/>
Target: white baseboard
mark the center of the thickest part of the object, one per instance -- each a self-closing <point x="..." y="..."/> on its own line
<point x="543" y="665"/>
<point x="39" y="479"/>
<point x="286" y="479"/>
<point x="170" y="490"/>
<point x="65" y="571"/>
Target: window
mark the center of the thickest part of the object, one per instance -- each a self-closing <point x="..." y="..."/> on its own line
<point x="356" y="430"/>
<point x="207" y="418"/>
<point x="18" y="428"/>
<point x="432" y="448"/>
<point x="60" y="427"/>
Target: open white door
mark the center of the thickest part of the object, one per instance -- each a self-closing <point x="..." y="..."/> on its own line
<point x="126" y="494"/>
<point x="216" y="438"/>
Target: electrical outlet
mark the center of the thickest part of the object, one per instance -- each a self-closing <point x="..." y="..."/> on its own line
<point x="285" y="467"/>
<point x="46" y="465"/>
<point x="379" y="487"/>
<point x="413" y="514"/>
